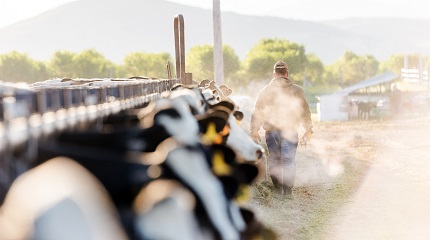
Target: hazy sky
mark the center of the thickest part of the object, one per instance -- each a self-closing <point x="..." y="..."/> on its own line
<point x="12" y="11"/>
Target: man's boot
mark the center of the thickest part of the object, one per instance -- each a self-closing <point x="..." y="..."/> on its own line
<point x="276" y="184"/>
<point x="288" y="191"/>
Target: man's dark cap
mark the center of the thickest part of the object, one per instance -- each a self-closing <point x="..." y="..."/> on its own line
<point x="280" y="65"/>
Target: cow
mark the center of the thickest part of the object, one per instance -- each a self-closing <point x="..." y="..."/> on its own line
<point x="186" y="161"/>
<point x="164" y="142"/>
<point x="165" y="210"/>
<point x="59" y="199"/>
<point x="238" y="139"/>
<point x="364" y="109"/>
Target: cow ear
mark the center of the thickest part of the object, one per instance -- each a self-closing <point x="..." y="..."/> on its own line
<point x="229" y="92"/>
<point x="227" y="104"/>
<point x="215" y="116"/>
<point x="204" y="83"/>
<point x="212" y="84"/>
<point x="217" y="124"/>
<point x="176" y="86"/>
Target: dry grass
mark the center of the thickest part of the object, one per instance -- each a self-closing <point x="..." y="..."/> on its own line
<point x="328" y="173"/>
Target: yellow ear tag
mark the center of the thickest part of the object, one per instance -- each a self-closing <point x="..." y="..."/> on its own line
<point x="243" y="194"/>
<point x="219" y="167"/>
<point x="211" y="135"/>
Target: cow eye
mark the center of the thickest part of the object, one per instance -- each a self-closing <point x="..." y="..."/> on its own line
<point x="238" y="115"/>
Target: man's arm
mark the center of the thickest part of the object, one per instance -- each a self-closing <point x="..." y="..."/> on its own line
<point x="306" y="112"/>
<point x="306" y="118"/>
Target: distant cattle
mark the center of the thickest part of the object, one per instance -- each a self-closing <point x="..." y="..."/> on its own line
<point x="364" y="109"/>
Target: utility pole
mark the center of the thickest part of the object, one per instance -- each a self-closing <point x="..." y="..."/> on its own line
<point x="218" y="57"/>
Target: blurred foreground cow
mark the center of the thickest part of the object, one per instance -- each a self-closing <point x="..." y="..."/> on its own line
<point x="166" y="171"/>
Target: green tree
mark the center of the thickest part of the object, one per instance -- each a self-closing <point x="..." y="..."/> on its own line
<point x="231" y="62"/>
<point x="200" y="62"/>
<point x="19" y="67"/>
<point x="86" y="64"/>
<point x="396" y="62"/>
<point x="314" y="70"/>
<point x="43" y="72"/>
<point x="332" y="75"/>
<point x="62" y="64"/>
<point x="259" y="62"/>
<point x="352" y="68"/>
<point x="92" y="64"/>
<point x="147" y="64"/>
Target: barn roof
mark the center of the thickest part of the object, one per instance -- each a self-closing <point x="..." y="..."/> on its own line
<point x="383" y="78"/>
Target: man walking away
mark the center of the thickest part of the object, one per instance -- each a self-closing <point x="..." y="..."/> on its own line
<point x="281" y="108"/>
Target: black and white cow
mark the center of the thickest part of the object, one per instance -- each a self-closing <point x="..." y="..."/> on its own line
<point x="59" y="199"/>
<point x="164" y="143"/>
<point x="165" y="210"/>
<point x="186" y="162"/>
<point x="238" y="139"/>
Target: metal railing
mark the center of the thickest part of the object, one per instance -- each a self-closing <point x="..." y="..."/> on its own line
<point x="35" y="112"/>
<point x="29" y="114"/>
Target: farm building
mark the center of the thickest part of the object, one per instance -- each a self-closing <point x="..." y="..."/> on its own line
<point x="342" y="105"/>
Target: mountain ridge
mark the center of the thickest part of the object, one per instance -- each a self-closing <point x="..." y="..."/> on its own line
<point x="119" y="27"/>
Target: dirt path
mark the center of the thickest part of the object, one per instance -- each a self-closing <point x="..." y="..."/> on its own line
<point x="393" y="201"/>
<point x="357" y="180"/>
